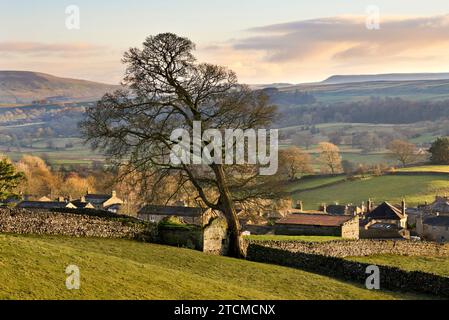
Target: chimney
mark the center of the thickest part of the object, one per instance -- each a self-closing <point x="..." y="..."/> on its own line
<point x="299" y="205"/>
<point x="114" y="194"/>
<point x="403" y="207"/>
<point x="61" y="199"/>
<point x="83" y="199"/>
<point x="369" y="206"/>
<point x="324" y="208"/>
<point x="87" y="191"/>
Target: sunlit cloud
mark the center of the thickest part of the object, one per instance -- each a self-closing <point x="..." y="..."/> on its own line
<point x="319" y="47"/>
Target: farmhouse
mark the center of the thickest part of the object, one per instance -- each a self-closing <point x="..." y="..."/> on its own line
<point x="319" y="225"/>
<point x="385" y="221"/>
<point x="434" y="228"/>
<point x="189" y="215"/>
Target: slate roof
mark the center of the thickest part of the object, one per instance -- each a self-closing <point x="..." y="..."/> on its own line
<point x="440" y="221"/>
<point x="441" y="206"/>
<point x="97" y="198"/>
<point x="172" y="211"/>
<point x="335" y="209"/>
<point x="323" y="220"/>
<point x="385" y="211"/>
<point x="42" y="205"/>
<point x="80" y="204"/>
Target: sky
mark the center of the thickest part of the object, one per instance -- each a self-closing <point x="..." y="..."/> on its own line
<point x="263" y="41"/>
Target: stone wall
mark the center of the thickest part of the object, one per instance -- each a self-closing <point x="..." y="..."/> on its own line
<point x="212" y="239"/>
<point x="348" y="248"/>
<point x="351" y="229"/>
<point x="39" y="222"/>
<point x="390" y="278"/>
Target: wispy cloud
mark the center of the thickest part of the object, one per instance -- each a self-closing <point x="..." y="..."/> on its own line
<point x="36" y="48"/>
<point x="343" y="45"/>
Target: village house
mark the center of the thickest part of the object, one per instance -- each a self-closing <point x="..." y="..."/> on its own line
<point x="82" y="204"/>
<point x="433" y="228"/>
<point x="106" y="202"/>
<point x="319" y="225"/>
<point x="189" y="215"/>
<point x="385" y="221"/>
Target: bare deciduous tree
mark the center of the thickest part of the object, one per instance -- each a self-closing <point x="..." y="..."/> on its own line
<point x="168" y="90"/>
<point x="294" y="163"/>
<point x="403" y="151"/>
<point x="330" y="158"/>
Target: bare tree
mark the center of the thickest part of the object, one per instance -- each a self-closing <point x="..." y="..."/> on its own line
<point x="403" y="151"/>
<point x="294" y="163"/>
<point x="330" y="158"/>
<point x="169" y="90"/>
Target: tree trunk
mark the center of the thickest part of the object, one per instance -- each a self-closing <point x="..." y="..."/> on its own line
<point x="227" y="207"/>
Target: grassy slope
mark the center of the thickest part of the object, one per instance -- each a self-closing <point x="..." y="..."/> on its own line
<point x="434" y="265"/>
<point x="416" y="189"/>
<point x="33" y="268"/>
<point x="312" y="182"/>
<point x="429" y="168"/>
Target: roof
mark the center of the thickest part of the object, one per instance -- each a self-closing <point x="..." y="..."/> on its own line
<point x="323" y="220"/>
<point x="80" y="204"/>
<point x="385" y="211"/>
<point x="97" y="198"/>
<point x="441" y="205"/>
<point x="336" y="209"/>
<point x="440" y="221"/>
<point x="43" y="204"/>
<point x="172" y="211"/>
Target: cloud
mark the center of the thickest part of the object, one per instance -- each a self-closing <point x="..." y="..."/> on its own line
<point x="39" y="48"/>
<point x="343" y="44"/>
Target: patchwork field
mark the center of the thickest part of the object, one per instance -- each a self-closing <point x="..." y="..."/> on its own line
<point x="435" y="265"/>
<point x="34" y="268"/>
<point x="415" y="189"/>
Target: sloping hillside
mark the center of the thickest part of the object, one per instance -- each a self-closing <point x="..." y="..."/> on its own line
<point x="34" y="268"/>
<point x="23" y="87"/>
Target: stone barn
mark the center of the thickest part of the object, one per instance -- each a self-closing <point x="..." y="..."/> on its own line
<point x="319" y="225"/>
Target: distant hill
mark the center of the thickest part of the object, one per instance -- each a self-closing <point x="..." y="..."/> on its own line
<point x="23" y="87"/>
<point x="414" y="90"/>
<point x="339" y="79"/>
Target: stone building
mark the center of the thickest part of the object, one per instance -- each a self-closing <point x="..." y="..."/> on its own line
<point x="433" y="228"/>
<point x="319" y="225"/>
<point x="385" y="221"/>
<point x="108" y="202"/>
<point x="189" y="215"/>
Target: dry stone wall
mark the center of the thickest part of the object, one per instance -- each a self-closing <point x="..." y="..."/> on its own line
<point x="348" y="248"/>
<point x="22" y="221"/>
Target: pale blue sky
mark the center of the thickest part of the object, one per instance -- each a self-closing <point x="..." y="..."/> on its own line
<point x="117" y="24"/>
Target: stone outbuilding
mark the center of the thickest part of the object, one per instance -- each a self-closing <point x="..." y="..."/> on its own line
<point x="433" y="228"/>
<point x="319" y="225"/>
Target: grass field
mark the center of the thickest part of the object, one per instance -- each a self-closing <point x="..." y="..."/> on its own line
<point x="292" y="238"/>
<point x="312" y="182"/>
<point x="444" y="169"/>
<point x="34" y="268"/>
<point x="415" y="189"/>
<point x="436" y="265"/>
